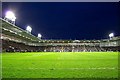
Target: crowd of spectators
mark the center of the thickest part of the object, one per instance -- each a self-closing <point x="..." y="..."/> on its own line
<point x="11" y="46"/>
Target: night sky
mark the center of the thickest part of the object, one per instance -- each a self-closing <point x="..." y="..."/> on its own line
<point x="67" y="20"/>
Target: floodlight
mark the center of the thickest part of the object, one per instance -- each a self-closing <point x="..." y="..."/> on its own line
<point x="39" y="35"/>
<point x="29" y="29"/>
<point x="111" y="35"/>
<point x="10" y="15"/>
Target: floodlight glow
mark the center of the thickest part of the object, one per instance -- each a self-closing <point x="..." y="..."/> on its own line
<point x="10" y="15"/>
<point x="29" y="29"/>
<point x="111" y="35"/>
<point x="39" y="35"/>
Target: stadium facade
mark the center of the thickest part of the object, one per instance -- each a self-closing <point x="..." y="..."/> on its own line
<point x="15" y="39"/>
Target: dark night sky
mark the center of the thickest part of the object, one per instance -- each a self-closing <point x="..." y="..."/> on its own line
<point x="67" y="20"/>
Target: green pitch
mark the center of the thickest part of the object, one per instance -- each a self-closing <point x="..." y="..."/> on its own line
<point x="60" y="65"/>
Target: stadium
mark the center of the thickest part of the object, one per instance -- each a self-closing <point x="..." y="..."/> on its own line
<point x="27" y="56"/>
<point x="18" y="40"/>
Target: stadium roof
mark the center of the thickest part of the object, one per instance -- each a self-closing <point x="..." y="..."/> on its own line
<point x="11" y="29"/>
<point x="15" y="31"/>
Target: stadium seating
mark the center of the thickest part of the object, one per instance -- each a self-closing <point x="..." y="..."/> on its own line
<point x="15" y="39"/>
<point x="11" y="46"/>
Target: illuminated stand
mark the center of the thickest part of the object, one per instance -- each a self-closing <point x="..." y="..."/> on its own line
<point x="28" y="29"/>
<point x="39" y="35"/>
<point x="10" y="17"/>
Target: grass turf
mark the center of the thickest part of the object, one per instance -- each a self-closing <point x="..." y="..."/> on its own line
<point x="60" y="65"/>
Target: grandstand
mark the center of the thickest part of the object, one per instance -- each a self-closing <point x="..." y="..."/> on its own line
<point x="15" y="39"/>
<point x="33" y="57"/>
